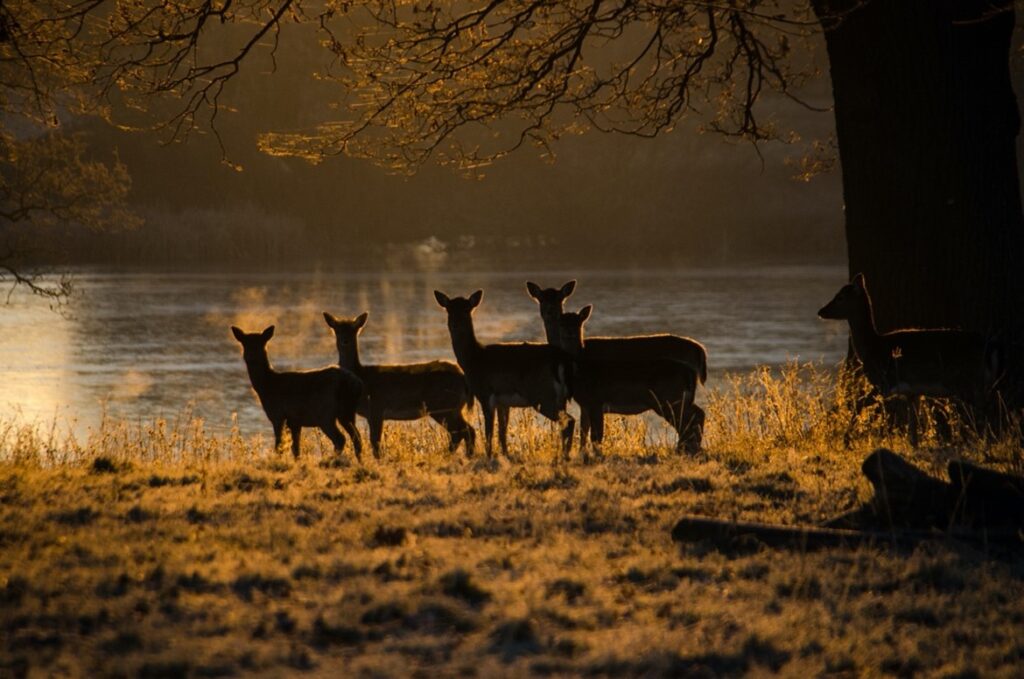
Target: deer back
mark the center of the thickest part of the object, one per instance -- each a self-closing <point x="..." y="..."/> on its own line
<point x="410" y="390"/>
<point x="954" y="363"/>
<point x="645" y="347"/>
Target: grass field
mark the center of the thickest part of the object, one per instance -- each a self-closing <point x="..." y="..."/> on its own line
<point x="164" y="550"/>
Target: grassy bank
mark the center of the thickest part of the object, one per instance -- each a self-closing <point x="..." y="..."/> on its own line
<point x="162" y="550"/>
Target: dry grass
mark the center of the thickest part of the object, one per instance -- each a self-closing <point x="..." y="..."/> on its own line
<point x="165" y="550"/>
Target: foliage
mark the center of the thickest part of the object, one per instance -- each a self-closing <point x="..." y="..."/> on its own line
<point x="413" y="74"/>
<point x="467" y="83"/>
<point x="48" y="183"/>
<point x="47" y="178"/>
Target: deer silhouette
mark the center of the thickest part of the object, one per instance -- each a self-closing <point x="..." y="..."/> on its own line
<point x="313" y="398"/>
<point x="436" y="389"/>
<point x="630" y="387"/>
<point x="508" y="375"/>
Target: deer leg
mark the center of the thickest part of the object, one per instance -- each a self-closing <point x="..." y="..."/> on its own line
<point x="296" y="432"/>
<point x="672" y="412"/>
<point x="349" y="425"/>
<point x="589" y="414"/>
<point x="568" y="428"/>
<point x="468" y="434"/>
<point x="913" y="415"/>
<point x="584" y="427"/>
<point x="376" y="422"/>
<point x="942" y="414"/>
<point x="568" y="422"/>
<point x="692" y="433"/>
<point x="332" y="432"/>
<point x="454" y="435"/>
<point x="458" y="430"/>
<point x="848" y="434"/>
<point x="503" y="429"/>
<point x="682" y="412"/>
<point x="597" y="428"/>
<point x="278" y="430"/>
<point x="461" y="430"/>
<point x="488" y="425"/>
<point x="984" y="418"/>
<point x="689" y="413"/>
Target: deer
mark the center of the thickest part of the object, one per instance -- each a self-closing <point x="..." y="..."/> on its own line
<point x="310" y="398"/>
<point x="943" y="363"/>
<point x="629" y="387"/>
<point x="405" y="392"/>
<point x="683" y="349"/>
<point x="508" y="375"/>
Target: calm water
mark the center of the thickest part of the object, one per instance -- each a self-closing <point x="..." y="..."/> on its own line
<point x="146" y="345"/>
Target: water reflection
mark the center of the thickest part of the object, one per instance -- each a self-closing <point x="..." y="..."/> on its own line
<point x="144" y="345"/>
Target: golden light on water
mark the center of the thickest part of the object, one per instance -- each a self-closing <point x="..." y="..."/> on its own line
<point x="36" y="361"/>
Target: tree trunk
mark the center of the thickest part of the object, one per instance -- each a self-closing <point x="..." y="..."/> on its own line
<point x="926" y="122"/>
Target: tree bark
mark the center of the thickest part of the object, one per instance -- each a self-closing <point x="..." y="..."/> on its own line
<point x="926" y="123"/>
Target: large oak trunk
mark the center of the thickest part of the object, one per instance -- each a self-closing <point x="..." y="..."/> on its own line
<point x="926" y="122"/>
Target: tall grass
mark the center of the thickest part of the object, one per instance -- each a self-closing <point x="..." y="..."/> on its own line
<point x="800" y="408"/>
<point x="239" y="561"/>
<point x="804" y="407"/>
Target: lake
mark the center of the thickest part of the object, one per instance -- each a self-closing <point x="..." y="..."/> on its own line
<point x="138" y="346"/>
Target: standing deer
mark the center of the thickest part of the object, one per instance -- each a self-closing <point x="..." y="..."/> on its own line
<point x="312" y="398"/>
<point x="633" y="348"/>
<point x="503" y="376"/>
<point x="630" y="387"/>
<point x="948" y="363"/>
<point x="683" y="349"/>
<point x="405" y="392"/>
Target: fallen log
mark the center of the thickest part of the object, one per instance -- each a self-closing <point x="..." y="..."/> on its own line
<point x="727" y="533"/>
<point x="986" y="497"/>
<point x="856" y="519"/>
<point x="905" y="496"/>
<point x="980" y="506"/>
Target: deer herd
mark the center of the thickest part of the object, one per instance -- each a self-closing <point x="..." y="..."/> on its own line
<point x="619" y="375"/>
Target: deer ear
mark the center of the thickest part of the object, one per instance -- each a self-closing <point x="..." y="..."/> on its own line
<point x="585" y="312"/>
<point x="361" y="320"/>
<point x="533" y="289"/>
<point x="474" y="299"/>
<point x="441" y="298"/>
<point x="267" y="333"/>
<point x="331" y="319"/>
<point x="568" y="288"/>
<point x="237" y="332"/>
<point x="859" y="280"/>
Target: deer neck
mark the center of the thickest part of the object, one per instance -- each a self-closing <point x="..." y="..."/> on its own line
<point x="464" y="342"/>
<point x="348" y="357"/>
<point x="551" y="329"/>
<point x="576" y="349"/>
<point x="259" y="369"/>
<point x="868" y="344"/>
<point x="575" y="355"/>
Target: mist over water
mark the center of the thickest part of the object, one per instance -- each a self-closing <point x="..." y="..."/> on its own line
<point x="138" y="346"/>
